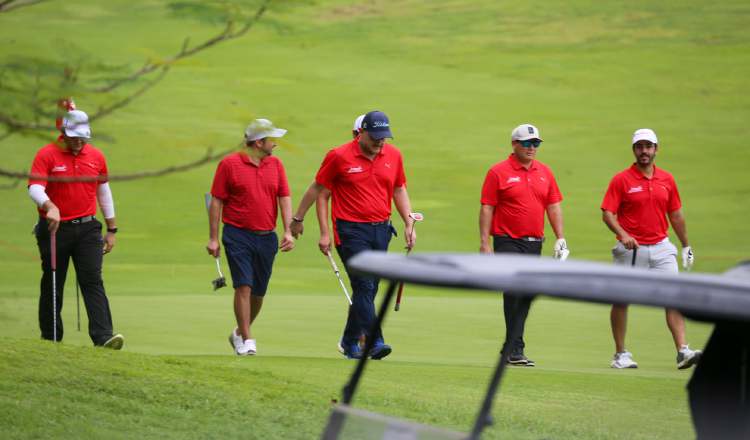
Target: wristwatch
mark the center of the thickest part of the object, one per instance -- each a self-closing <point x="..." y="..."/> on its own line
<point x="112" y="230"/>
<point x="297" y="219"/>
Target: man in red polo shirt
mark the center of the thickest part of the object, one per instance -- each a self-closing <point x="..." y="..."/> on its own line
<point x="515" y="195"/>
<point x="67" y="179"/>
<point x="636" y="207"/>
<point x="248" y="190"/>
<point x="364" y="177"/>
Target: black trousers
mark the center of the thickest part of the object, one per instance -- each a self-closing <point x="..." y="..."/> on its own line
<point x="83" y="243"/>
<point x="515" y="307"/>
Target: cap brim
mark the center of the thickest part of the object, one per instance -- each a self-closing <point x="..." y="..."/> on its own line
<point x="380" y="134"/>
<point x="79" y="132"/>
<point x="273" y="133"/>
<point x="526" y="138"/>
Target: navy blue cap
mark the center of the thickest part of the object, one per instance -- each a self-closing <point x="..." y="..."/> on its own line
<point x="376" y="125"/>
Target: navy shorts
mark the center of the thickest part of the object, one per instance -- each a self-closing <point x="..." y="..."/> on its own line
<point x="250" y="257"/>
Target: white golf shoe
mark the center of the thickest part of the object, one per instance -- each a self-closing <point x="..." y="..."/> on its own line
<point x="247" y="348"/>
<point x="623" y="360"/>
<point x="686" y="357"/>
<point x="235" y="340"/>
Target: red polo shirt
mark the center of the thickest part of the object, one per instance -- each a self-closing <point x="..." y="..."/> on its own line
<point x="362" y="189"/>
<point x="250" y="192"/>
<point x="73" y="199"/>
<point x="641" y="204"/>
<point x="520" y="197"/>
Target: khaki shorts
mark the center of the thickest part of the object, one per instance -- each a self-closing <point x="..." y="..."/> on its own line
<point x="661" y="257"/>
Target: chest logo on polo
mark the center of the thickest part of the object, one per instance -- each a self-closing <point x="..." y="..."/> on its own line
<point x="514" y="179"/>
<point x="59" y="169"/>
<point x="353" y="170"/>
<point x="635" y="189"/>
<point x="387" y="165"/>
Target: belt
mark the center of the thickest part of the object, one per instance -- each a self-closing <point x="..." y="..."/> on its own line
<point x="533" y="239"/>
<point x="384" y="222"/>
<point x="260" y="232"/>
<point x="75" y="221"/>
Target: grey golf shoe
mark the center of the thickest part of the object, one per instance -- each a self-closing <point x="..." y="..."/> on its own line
<point x="686" y="357"/>
<point x="115" y="342"/>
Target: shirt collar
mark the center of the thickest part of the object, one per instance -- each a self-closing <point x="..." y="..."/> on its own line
<point x="246" y="158"/>
<point x="639" y="175"/>
<point x="358" y="151"/>
<point x="517" y="165"/>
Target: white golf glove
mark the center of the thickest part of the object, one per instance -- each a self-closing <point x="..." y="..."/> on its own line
<point x="687" y="258"/>
<point x="561" y="250"/>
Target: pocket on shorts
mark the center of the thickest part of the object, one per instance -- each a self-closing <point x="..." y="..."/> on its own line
<point x="619" y="250"/>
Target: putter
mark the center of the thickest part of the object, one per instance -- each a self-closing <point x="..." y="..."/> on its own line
<point x="53" y="264"/>
<point x="338" y="275"/>
<point x="220" y="282"/>
<point x="635" y="253"/>
<point x="417" y="217"/>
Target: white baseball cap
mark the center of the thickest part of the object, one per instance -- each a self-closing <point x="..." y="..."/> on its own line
<point x="76" y="124"/>
<point x="645" y="134"/>
<point x="525" y="132"/>
<point x="358" y="123"/>
<point x="262" y="128"/>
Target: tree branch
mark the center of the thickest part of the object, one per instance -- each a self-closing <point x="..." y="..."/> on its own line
<point x="224" y="35"/>
<point x="210" y="156"/>
<point x="9" y="5"/>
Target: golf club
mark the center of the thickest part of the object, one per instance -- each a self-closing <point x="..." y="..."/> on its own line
<point x="417" y="217"/>
<point x="220" y="282"/>
<point x="78" y="305"/>
<point x="53" y="264"/>
<point x="338" y="275"/>
<point x="635" y="253"/>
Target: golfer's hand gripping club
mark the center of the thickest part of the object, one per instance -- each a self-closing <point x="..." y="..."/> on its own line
<point x="687" y="258"/>
<point x="561" y="250"/>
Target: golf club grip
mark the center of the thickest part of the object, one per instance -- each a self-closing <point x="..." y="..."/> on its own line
<point x="635" y="254"/>
<point x="53" y="250"/>
<point x="398" y="297"/>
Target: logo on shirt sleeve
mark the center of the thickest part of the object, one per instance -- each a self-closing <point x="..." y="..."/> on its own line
<point x="514" y="179"/>
<point x="59" y="169"/>
<point x="352" y="170"/>
<point x="635" y="189"/>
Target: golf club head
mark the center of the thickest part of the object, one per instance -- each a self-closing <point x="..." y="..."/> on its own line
<point x="218" y="283"/>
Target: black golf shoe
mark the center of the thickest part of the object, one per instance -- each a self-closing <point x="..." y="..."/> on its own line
<point x="380" y="351"/>
<point x="518" y="359"/>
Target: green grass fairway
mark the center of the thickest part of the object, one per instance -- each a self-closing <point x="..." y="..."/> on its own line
<point x="455" y="76"/>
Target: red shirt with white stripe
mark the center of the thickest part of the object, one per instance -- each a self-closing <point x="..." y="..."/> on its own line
<point x="250" y="192"/>
<point x="520" y="197"/>
<point x="641" y="204"/>
<point x="73" y="199"/>
<point x="362" y="189"/>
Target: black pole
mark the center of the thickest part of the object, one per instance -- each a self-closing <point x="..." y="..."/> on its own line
<point x="351" y="387"/>
<point x="336" y="423"/>
<point x="484" y="418"/>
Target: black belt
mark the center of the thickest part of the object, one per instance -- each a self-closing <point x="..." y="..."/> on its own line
<point x="75" y="221"/>
<point x="260" y="232"/>
<point x="533" y="239"/>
